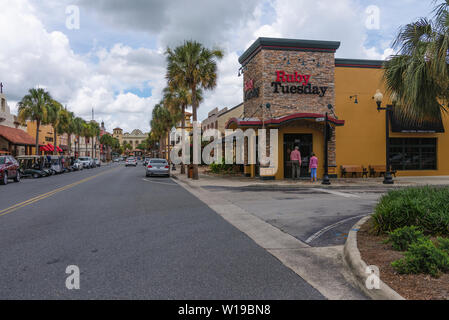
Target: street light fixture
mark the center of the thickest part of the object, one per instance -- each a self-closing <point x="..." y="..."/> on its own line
<point x="326" y="180"/>
<point x="378" y="97"/>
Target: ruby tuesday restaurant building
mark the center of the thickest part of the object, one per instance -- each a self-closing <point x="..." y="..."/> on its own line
<point x="290" y="84"/>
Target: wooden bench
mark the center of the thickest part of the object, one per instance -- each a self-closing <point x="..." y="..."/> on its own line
<point x="354" y="170"/>
<point x="379" y="169"/>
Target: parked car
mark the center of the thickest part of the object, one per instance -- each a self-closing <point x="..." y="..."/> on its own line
<point x="87" y="162"/>
<point x="77" y="165"/>
<point x="9" y="169"/>
<point x="158" y="167"/>
<point x="97" y="162"/>
<point x="33" y="166"/>
<point x="131" y="161"/>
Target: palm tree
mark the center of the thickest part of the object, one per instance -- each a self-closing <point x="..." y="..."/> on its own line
<point x="94" y="129"/>
<point x="177" y="99"/>
<point x="86" y="133"/>
<point x="54" y="118"/>
<point x="418" y="76"/>
<point x="78" y="130"/>
<point x="34" y="106"/>
<point x="194" y="67"/>
<point x="161" y="124"/>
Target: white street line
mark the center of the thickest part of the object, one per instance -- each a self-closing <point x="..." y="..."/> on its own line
<point x="168" y="184"/>
<point x="346" y="195"/>
<point x="324" y="230"/>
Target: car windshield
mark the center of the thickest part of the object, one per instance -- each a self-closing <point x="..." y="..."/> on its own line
<point x="83" y="159"/>
<point x="2" y="160"/>
<point x="158" y="162"/>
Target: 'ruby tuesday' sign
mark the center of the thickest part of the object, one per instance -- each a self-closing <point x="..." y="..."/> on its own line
<point x="296" y="83"/>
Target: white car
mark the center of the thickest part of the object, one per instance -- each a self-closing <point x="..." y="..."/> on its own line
<point x="86" y="161"/>
<point x="131" y="162"/>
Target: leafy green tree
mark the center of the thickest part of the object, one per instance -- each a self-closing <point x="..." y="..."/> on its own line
<point x="34" y="107"/>
<point x="418" y="76"/>
<point x="194" y="67"/>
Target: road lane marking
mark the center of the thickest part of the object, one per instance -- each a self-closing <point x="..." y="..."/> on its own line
<point x="50" y="193"/>
<point x="168" y="184"/>
<point x="341" y="194"/>
<point x="326" y="229"/>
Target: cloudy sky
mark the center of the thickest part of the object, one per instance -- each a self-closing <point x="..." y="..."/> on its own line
<point x="114" y="62"/>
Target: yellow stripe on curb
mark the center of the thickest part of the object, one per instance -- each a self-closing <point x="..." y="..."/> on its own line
<point x="49" y="194"/>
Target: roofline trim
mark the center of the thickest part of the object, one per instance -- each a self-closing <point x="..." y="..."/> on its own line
<point x="288" y="44"/>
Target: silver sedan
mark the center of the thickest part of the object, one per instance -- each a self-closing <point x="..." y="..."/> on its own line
<point x="157" y="167"/>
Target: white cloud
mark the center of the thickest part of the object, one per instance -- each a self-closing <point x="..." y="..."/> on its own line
<point x="108" y="76"/>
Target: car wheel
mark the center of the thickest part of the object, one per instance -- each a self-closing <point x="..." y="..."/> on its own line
<point x="35" y="176"/>
<point x="17" y="178"/>
<point x="5" y="179"/>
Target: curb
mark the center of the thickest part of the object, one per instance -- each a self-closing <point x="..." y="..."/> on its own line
<point x="357" y="267"/>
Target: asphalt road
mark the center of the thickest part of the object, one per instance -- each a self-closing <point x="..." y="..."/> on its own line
<point x="317" y="216"/>
<point x="132" y="238"/>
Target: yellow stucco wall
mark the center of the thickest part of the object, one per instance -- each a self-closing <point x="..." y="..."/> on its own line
<point x="224" y="118"/>
<point x="45" y="131"/>
<point x="362" y="140"/>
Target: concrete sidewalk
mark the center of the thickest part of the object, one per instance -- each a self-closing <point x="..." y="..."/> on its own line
<point x="211" y="179"/>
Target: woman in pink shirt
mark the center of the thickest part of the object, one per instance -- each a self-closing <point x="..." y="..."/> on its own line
<point x="313" y="166"/>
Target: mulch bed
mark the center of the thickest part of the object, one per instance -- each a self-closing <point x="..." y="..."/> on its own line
<point x="411" y="287"/>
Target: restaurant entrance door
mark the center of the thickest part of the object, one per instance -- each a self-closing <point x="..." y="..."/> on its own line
<point x="305" y="144"/>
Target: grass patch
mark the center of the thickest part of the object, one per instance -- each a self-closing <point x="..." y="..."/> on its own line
<point x="402" y="238"/>
<point x="424" y="207"/>
<point x="423" y="257"/>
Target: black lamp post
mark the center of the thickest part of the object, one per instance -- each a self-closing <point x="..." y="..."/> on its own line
<point x="326" y="180"/>
<point x="388" y="179"/>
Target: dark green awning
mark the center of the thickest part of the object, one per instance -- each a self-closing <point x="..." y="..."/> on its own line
<point x="398" y="124"/>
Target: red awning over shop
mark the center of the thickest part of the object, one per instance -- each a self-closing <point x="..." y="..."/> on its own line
<point x="50" y="147"/>
<point x="59" y="149"/>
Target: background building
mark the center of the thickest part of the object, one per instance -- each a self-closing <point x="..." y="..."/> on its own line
<point x="14" y="139"/>
<point x="291" y="84"/>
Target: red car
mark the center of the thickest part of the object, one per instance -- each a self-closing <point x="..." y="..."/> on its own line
<point x="9" y="169"/>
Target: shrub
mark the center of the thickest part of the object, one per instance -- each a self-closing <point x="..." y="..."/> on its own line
<point x="423" y="257"/>
<point x="220" y="167"/>
<point x="402" y="238"/>
<point x="424" y="207"/>
<point x="443" y="244"/>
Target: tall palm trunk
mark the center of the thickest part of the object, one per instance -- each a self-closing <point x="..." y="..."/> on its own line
<point x="55" y="151"/>
<point x="38" y="124"/>
<point x="70" y="144"/>
<point x="93" y="156"/>
<point x="168" y="147"/>
<point x="183" y="127"/>
<point x="195" y="119"/>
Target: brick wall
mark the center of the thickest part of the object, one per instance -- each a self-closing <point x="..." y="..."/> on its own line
<point x="262" y="70"/>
